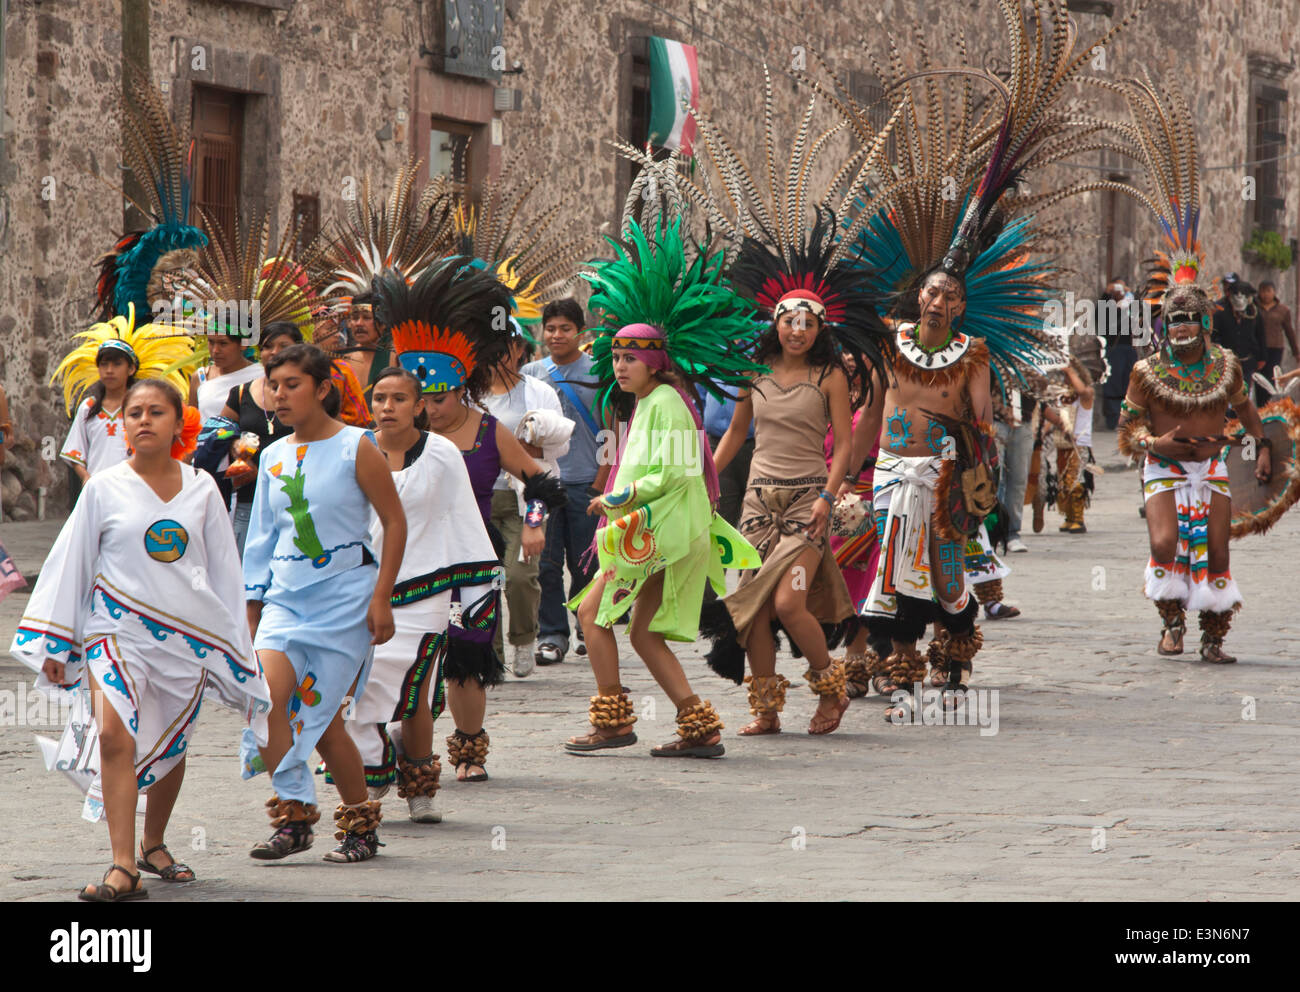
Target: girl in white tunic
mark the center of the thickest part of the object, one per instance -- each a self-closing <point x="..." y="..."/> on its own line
<point x="139" y="602"/>
<point x="96" y="440"/>
<point x="449" y="565"/>
<point x="111" y="357"/>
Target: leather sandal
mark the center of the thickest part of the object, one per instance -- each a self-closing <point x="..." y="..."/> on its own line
<point x="167" y="873"/>
<point x="756" y="728"/>
<point x="709" y="747"/>
<point x="598" y="740"/>
<point x="835" y="720"/>
<point x="137" y="890"/>
<point x="1176" y="634"/>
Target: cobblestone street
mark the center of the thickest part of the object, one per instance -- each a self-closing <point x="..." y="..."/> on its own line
<point x="1113" y="773"/>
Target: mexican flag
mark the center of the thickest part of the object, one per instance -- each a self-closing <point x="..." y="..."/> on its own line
<point x="674" y="76"/>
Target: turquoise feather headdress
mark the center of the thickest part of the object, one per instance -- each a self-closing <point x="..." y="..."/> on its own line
<point x="159" y="155"/>
<point x="1006" y="293"/>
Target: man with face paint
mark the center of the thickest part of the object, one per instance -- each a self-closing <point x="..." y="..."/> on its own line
<point x="1173" y="417"/>
<point x="939" y="376"/>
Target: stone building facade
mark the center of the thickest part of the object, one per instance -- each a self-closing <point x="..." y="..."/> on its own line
<point x="316" y="93"/>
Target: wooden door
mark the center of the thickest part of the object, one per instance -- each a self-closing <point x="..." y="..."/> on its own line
<point x="218" y="146"/>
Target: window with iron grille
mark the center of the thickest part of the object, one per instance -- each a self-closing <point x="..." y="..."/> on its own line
<point x="218" y="128"/>
<point x="306" y="218"/>
<point x="1266" y="148"/>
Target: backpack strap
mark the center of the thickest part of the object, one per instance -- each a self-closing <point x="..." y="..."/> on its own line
<point x="572" y="394"/>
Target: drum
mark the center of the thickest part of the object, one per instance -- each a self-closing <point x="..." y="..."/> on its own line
<point x="1257" y="506"/>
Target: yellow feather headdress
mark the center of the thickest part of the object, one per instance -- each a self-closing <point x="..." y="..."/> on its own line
<point x="158" y="356"/>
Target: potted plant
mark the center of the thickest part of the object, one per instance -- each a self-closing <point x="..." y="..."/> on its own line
<point x="1267" y="249"/>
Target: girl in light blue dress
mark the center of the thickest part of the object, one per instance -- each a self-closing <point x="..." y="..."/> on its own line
<point x="317" y="602"/>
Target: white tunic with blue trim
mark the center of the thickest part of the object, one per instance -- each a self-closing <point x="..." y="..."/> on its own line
<point x="149" y="595"/>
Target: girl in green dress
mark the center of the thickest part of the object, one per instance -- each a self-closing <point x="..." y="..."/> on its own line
<point x="666" y="320"/>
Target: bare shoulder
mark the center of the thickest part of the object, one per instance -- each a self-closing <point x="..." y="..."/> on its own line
<point x="835" y="379"/>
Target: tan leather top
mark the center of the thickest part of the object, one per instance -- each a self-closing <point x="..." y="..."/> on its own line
<point x="789" y="431"/>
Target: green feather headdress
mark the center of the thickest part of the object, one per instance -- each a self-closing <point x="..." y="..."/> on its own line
<point x="708" y="328"/>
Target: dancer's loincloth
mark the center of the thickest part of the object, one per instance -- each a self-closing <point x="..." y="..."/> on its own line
<point x="904" y="503"/>
<point x="1188" y="578"/>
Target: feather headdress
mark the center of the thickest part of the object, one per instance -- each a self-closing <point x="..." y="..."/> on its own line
<point x="1037" y="125"/>
<point x="159" y="154"/>
<point x="961" y="155"/>
<point x="532" y="254"/>
<point x="1161" y="136"/>
<point x="786" y="236"/>
<point x="239" y="284"/>
<point x="707" y="329"/>
<point x="156" y="355"/>
<point x="403" y="232"/>
<point x="444" y="323"/>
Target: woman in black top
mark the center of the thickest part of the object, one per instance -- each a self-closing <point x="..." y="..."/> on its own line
<point x="248" y="405"/>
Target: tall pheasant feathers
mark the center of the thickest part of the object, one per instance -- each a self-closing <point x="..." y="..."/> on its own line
<point x="159" y="154"/>
<point x="1161" y="136"/>
<point x="526" y="247"/>
<point x="404" y="232"/>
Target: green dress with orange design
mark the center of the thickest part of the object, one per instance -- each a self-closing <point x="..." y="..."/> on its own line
<point x="659" y="520"/>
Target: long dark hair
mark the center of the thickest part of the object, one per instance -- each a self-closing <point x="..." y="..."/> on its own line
<point x="98" y="390"/>
<point x="421" y="418"/>
<point x="314" y="363"/>
<point x="823" y="355"/>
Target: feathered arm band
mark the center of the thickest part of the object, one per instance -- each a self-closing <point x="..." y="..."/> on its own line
<point x="544" y="487"/>
<point x="1135" y="437"/>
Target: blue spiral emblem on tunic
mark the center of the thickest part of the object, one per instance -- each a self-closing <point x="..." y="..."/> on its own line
<point x="166" y="541"/>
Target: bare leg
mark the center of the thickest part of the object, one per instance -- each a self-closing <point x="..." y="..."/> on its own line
<point x="1218" y="531"/>
<point x="602" y="653"/>
<point x="602" y="647"/>
<point x="281" y="680"/>
<point x="159" y="803"/>
<point x="340" y="752"/>
<point x="653" y="648"/>
<point x="117" y="777"/>
<point x="468" y="705"/>
<point x="790" y="602"/>
<point x="761" y="651"/>
<point x="697" y="724"/>
<point x="761" y="648"/>
<point x="417" y="730"/>
<point x="1162" y="532"/>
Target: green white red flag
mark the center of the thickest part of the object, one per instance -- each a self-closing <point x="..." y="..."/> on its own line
<point x="674" y="77"/>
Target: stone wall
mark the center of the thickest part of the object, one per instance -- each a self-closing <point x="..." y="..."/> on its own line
<point x="338" y="88"/>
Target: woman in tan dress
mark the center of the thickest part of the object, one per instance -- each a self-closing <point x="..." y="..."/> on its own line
<point x="787" y="510"/>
